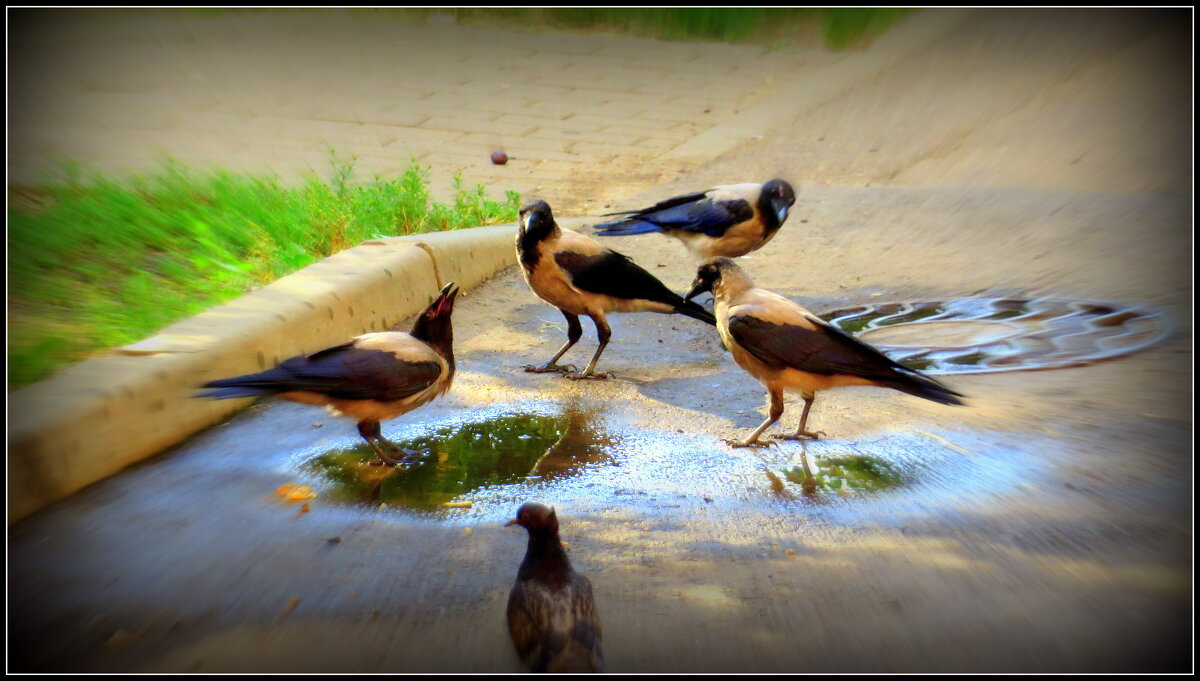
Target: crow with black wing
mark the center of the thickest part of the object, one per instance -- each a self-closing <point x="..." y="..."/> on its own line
<point x="580" y="277"/>
<point x="372" y="377"/>
<point x="731" y="220"/>
<point x="787" y="347"/>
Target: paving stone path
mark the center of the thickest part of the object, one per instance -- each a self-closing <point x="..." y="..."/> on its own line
<point x="278" y="91"/>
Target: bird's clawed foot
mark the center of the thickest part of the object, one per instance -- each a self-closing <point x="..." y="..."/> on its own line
<point x="594" y="375"/>
<point x="802" y="435"/>
<point x="412" y="456"/>
<point x="751" y="443"/>
<point x="408" y="456"/>
<point x="552" y="368"/>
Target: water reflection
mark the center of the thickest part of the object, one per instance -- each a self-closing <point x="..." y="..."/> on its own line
<point x="508" y="449"/>
<point x="842" y="474"/>
<point x="980" y="335"/>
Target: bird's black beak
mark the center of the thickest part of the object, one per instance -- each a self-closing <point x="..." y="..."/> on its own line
<point x="699" y="286"/>
<point x="781" y="207"/>
<point x="444" y="303"/>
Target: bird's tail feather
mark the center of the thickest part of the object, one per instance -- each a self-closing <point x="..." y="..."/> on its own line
<point x="625" y="228"/>
<point x="693" y="310"/>
<point x="920" y="385"/>
<point x="230" y="393"/>
<point x="250" y="385"/>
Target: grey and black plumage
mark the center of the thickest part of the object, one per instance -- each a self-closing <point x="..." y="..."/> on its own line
<point x="730" y="220"/>
<point x="577" y="275"/>
<point x="786" y="347"/>
<point x="551" y="613"/>
<point x="371" y="378"/>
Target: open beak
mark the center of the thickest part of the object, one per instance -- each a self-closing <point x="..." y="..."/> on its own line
<point x="445" y="300"/>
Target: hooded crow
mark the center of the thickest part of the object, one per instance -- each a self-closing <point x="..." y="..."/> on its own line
<point x="786" y="347"/>
<point x="551" y="614"/>
<point x="731" y="220"/>
<point x="580" y="277"/>
<point x="372" y="378"/>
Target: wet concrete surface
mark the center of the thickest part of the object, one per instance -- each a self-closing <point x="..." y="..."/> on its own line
<point x="1045" y="526"/>
<point x="995" y="544"/>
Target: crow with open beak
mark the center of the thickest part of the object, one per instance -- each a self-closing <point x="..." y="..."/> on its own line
<point x="786" y="347"/>
<point x="372" y="378"/>
<point x="580" y="277"/>
<point x="731" y="220"/>
<point x="552" y="616"/>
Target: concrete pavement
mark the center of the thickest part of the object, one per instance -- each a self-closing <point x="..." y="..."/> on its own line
<point x="1046" y="526"/>
<point x="275" y="91"/>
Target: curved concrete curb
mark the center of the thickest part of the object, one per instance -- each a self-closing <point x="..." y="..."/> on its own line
<point x="93" y="419"/>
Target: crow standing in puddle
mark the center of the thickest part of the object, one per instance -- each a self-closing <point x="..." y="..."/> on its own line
<point x="373" y="377"/>
<point x="552" y="616"/>
<point x="786" y="347"/>
<point x="731" y="220"/>
<point x="580" y="277"/>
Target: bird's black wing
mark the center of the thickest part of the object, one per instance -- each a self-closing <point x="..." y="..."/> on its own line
<point x="613" y="274"/>
<point x="350" y="373"/>
<point x="526" y="616"/>
<point x="663" y="205"/>
<point x="689" y="212"/>
<point x="819" y="350"/>
<point x="713" y="218"/>
<point x="586" y="632"/>
<point x="825" y="349"/>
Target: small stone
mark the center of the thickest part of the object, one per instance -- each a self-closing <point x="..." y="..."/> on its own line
<point x="499" y="157"/>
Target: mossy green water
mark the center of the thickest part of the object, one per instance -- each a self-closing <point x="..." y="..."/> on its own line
<point x="850" y="472"/>
<point x="512" y="448"/>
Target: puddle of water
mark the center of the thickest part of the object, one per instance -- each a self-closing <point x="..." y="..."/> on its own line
<point x="948" y="334"/>
<point x="1001" y="334"/>
<point x="512" y="448"/>
<point x="846" y="473"/>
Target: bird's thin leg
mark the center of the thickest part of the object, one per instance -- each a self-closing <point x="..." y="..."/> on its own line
<point x="809" y="486"/>
<point x="369" y="430"/>
<point x="604" y="333"/>
<point x="410" y="455"/>
<point x="774" y="411"/>
<point x="801" y="433"/>
<point x="574" y="333"/>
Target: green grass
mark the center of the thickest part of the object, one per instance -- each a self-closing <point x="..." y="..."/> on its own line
<point x="840" y="28"/>
<point x="101" y="263"/>
<point x="844" y="26"/>
<point x="772" y="27"/>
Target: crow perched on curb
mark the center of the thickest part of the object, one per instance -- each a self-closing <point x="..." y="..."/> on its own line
<point x="552" y="616"/>
<point x="373" y="377"/>
<point x="580" y="277"/>
<point x="786" y="347"/>
<point x="731" y="220"/>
